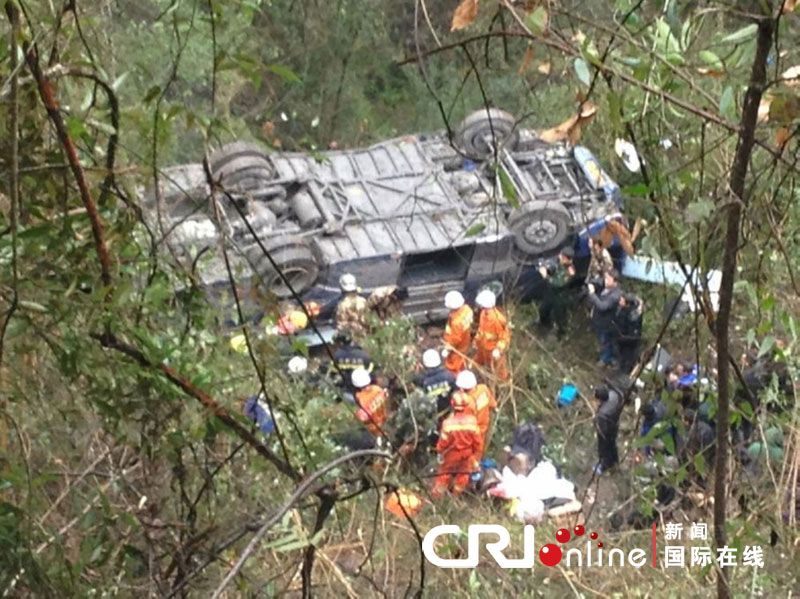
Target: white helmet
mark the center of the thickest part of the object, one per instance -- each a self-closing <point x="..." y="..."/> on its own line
<point x="486" y="299"/>
<point x="466" y="380"/>
<point x="360" y="378"/>
<point x="348" y="282"/>
<point x="297" y="365"/>
<point x="431" y="359"/>
<point x="453" y="300"/>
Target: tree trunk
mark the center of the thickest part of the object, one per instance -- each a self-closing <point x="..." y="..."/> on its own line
<point x="752" y="98"/>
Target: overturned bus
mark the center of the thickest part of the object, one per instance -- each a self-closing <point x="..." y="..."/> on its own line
<point x="430" y="212"/>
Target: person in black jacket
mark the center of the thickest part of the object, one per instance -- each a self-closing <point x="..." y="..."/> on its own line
<point x="604" y="307"/>
<point x="558" y="293"/>
<point x="525" y="450"/>
<point x="628" y="330"/>
<point x="436" y="381"/>
<point x="606" y="423"/>
<point x="348" y="357"/>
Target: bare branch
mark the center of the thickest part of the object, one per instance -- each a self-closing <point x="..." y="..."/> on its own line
<point x="301" y="491"/>
<point x="110" y="341"/>
<point x="51" y="105"/>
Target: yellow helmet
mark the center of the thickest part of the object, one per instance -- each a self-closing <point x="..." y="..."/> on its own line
<point x="299" y="319"/>
<point x="239" y="343"/>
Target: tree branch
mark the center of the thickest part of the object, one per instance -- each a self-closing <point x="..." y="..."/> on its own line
<point x="752" y="98"/>
<point x="298" y="494"/>
<point x="51" y="105"/>
<point x="13" y="182"/>
<point x="110" y="341"/>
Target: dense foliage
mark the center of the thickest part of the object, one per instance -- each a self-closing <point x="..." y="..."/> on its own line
<point x="122" y="470"/>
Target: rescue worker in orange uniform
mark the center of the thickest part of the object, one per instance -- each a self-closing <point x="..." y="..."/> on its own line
<point x="457" y="333"/>
<point x="481" y="402"/>
<point x="458" y="445"/>
<point x="493" y="336"/>
<point x="372" y="401"/>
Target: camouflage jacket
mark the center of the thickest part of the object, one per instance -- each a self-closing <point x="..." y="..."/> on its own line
<point x="559" y="276"/>
<point x="599" y="265"/>
<point x="351" y="315"/>
<point x="384" y="303"/>
<point x="420" y="408"/>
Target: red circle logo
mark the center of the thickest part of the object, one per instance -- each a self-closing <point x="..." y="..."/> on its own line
<point x="550" y="554"/>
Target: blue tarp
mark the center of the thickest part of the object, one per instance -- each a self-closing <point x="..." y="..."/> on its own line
<point x="567" y="394"/>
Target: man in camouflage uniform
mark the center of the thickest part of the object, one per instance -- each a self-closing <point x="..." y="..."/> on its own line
<point x="351" y="313"/>
<point x="558" y="296"/>
<point x="415" y="427"/>
<point x="387" y="301"/>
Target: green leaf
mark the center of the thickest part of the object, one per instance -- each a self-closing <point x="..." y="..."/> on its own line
<point x="631" y="61"/>
<point x="642" y="71"/>
<point x="674" y="58"/>
<point x="75" y="127"/>
<point x="300" y="346"/>
<point x="615" y="110"/>
<point x="750" y="337"/>
<point x="32" y="306"/>
<point x="582" y="71"/>
<point x="764" y="327"/>
<point x="669" y="444"/>
<point x="37" y="232"/>
<point x="508" y="189"/>
<point x="766" y="345"/>
<point x="537" y="20"/>
<point x="700" y="464"/>
<point x="474" y="230"/>
<point x="712" y="60"/>
<point x="299" y="544"/>
<point x="119" y="81"/>
<point x="638" y="190"/>
<point x="746" y="409"/>
<point x="151" y="94"/>
<point x="589" y="50"/>
<point x="96" y="554"/>
<point x="699" y="211"/>
<point x="289" y="538"/>
<point x="474" y="582"/>
<point x="283" y="72"/>
<point x="743" y="34"/>
<point x="726" y="103"/>
<point x="665" y="42"/>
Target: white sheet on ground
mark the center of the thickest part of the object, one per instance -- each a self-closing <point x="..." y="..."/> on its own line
<point x="533" y="490"/>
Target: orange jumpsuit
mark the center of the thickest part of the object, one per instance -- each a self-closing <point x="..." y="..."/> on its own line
<point x="457" y="336"/>
<point x="373" y="407"/>
<point x="482" y="402"/>
<point x="459" y="442"/>
<point x="493" y="333"/>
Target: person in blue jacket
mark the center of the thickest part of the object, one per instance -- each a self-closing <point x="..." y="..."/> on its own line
<point x="258" y="412"/>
